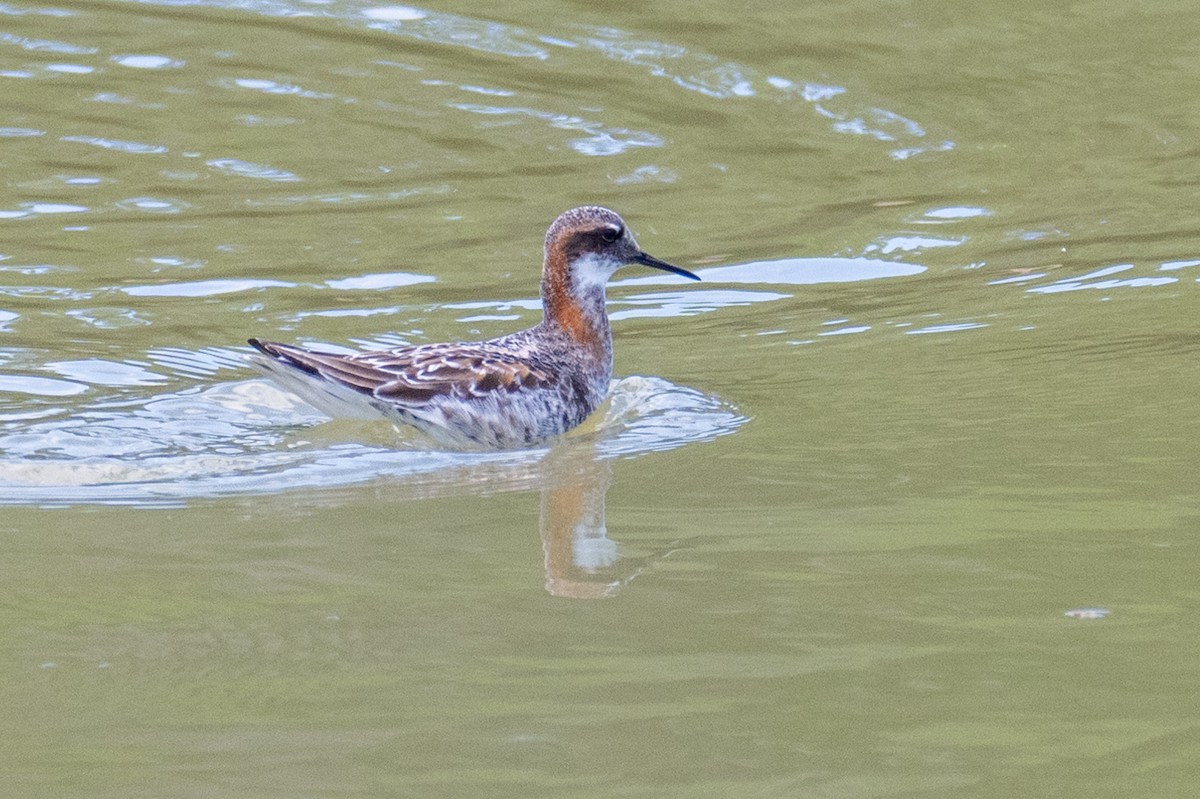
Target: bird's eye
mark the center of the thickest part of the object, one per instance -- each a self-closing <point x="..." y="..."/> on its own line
<point x="610" y="233"/>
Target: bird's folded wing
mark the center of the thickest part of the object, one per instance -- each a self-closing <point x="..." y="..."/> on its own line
<point x="420" y="375"/>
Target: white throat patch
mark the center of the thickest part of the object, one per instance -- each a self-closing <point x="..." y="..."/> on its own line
<point x="593" y="271"/>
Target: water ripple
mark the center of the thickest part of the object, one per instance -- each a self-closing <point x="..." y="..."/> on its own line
<point x="902" y="243"/>
<point x="347" y="197"/>
<point x="600" y="141"/>
<point x="274" y="87"/>
<point x="946" y="328"/>
<point x="205" y="362"/>
<point x="809" y="271"/>
<point x="132" y="147"/>
<point x="451" y="29"/>
<point x="705" y="74"/>
<point x="727" y="81"/>
<point x="18" y="11"/>
<point x="235" y="439"/>
<point x="246" y="169"/>
<point x="693" y="71"/>
<point x="99" y="372"/>
<point x="153" y="205"/>
<point x="55" y="208"/>
<point x="689" y="303"/>
<point x="379" y="281"/>
<point x="203" y="288"/>
<point x="40" y="386"/>
<point x="45" y="45"/>
<point x="109" y="318"/>
<point x="141" y="61"/>
<point x="1091" y="281"/>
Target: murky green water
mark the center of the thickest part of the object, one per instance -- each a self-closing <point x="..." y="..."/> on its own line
<point x="935" y="393"/>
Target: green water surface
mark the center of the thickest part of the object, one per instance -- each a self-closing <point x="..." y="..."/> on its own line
<point x="932" y="407"/>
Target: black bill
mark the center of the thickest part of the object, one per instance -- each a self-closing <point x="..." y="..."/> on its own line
<point x="649" y="260"/>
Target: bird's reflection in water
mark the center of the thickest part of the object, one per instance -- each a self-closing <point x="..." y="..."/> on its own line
<point x="573" y="477"/>
<point x="582" y="562"/>
<point x="642" y="415"/>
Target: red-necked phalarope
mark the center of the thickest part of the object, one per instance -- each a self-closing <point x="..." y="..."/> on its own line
<point x="514" y="391"/>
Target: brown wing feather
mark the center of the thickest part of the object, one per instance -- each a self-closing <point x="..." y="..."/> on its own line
<point x="460" y="371"/>
<point x="417" y="375"/>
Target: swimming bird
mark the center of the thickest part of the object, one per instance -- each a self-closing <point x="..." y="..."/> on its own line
<point x="514" y="391"/>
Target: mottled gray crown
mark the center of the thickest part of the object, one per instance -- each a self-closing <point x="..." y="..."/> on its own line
<point x="583" y="217"/>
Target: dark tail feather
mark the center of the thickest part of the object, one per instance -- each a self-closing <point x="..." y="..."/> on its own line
<point x="284" y="354"/>
<point x="262" y="346"/>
